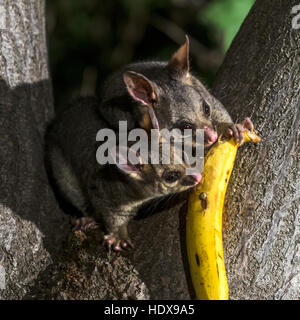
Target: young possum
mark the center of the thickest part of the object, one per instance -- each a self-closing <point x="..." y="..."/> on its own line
<point x="167" y="95"/>
<point x="112" y="194"/>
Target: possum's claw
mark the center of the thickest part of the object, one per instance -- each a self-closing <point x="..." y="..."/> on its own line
<point x="247" y="123"/>
<point x="85" y="224"/>
<point x="127" y="244"/>
<point x="115" y="244"/>
<point x="237" y="130"/>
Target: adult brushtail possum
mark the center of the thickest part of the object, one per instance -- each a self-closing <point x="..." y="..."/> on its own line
<point x="167" y="95"/>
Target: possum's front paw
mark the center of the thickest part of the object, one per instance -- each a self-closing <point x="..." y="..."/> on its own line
<point x="85" y="224"/>
<point x="112" y="241"/>
<point x="237" y="130"/>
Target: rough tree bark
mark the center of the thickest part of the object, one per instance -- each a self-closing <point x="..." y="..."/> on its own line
<point x="36" y="258"/>
<point x="28" y="210"/>
<point x="260" y="77"/>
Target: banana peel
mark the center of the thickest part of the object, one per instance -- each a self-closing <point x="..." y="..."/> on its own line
<point x="204" y="221"/>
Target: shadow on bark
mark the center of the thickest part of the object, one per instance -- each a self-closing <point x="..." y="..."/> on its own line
<point x="32" y="226"/>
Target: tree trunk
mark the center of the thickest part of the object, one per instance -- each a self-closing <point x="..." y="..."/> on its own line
<point x="259" y="78"/>
<point x="28" y="210"/>
<point x="36" y="260"/>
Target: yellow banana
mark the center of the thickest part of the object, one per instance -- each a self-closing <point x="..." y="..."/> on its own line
<point x="204" y="221"/>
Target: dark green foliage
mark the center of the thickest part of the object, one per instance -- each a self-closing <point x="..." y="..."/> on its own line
<point x="90" y="38"/>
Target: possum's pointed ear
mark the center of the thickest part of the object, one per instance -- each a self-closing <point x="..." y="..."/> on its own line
<point x="141" y="88"/>
<point x="179" y="64"/>
<point x="145" y="91"/>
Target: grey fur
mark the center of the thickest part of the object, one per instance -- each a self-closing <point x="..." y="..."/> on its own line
<point x="180" y="99"/>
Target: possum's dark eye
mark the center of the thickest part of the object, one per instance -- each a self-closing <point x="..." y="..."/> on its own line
<point x="206" y="108"/>
<point x="185" y="126"/>
<point x="171" y="176"/>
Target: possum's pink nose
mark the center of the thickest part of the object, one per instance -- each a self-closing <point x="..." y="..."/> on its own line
<point x="210" y="135"/>
<point x="197" y="177"/>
